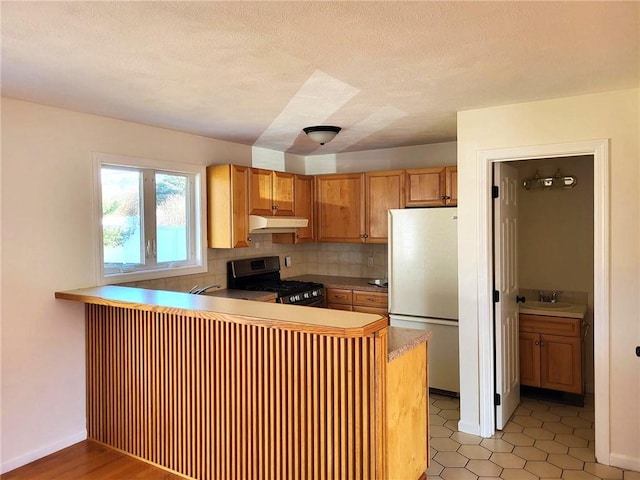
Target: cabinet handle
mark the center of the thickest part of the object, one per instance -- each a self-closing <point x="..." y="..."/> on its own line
<point x="372" y="299"/>
<point x="537" y="342"/>
<point x="274" y="207"/>
<point x="297" y="236"/>
<point x="445" y="197"/>
<point x="541" y="343"/>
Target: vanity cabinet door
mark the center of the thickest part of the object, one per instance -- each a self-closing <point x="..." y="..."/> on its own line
<point x="529" y="359"/>
<point x="561" y="363"/>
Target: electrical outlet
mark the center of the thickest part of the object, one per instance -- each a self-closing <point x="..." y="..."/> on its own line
<point x="369" y="262"/>
<point x="287" y="261"/>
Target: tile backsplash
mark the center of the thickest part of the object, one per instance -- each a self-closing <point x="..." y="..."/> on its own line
<point x="340" y="259"/>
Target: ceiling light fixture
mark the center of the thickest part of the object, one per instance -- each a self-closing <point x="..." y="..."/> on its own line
<point x="321" y="133"/>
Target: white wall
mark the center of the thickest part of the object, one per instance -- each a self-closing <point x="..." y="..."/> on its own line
<point x="609" y="115"/>
<point x="47" y="246"/>
<point x="419" y="156"/>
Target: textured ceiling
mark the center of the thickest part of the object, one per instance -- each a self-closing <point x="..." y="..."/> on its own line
<point x="389" y="73"/>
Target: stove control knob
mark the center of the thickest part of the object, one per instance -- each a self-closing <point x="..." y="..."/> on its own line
<point x="315" y="293"/>
<point x="307" y="295"/>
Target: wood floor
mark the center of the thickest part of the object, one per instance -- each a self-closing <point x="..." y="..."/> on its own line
<point x="89" y="461"/>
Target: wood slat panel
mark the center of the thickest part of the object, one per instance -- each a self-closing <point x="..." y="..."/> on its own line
<point x="213" y="399"/>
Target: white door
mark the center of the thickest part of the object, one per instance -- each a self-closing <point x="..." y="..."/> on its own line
<point x="506" y="283"/>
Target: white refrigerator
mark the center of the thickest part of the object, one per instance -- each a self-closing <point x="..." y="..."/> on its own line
<point x="423" y="285"/>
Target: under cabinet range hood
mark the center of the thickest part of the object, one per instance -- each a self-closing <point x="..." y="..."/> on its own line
<point x="260" y="224"/>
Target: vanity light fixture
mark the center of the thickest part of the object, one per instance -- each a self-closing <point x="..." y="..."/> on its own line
<point x="546" y="183"/>
<point x="321" y="133"/>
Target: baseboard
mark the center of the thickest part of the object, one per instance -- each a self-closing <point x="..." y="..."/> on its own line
<point x="42" y="452"/>
<point x="624" y="461"/>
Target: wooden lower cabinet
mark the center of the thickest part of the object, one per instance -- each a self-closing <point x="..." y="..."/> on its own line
<point x="551" y="353"/>
<point x="358" y="301"/>
<point x="407" y="415"/>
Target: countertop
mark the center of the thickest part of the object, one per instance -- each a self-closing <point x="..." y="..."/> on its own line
<point x="401" y="340"/>
<point x="287" y="317"/>
<point x="572" y="311"/>
<point x="243" y="295"/>
<point x="331" y="281"/>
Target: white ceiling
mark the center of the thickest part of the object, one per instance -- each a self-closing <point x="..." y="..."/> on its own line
<point x="389" y="73"/>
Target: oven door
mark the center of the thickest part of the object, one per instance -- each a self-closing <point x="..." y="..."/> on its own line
<point x="312" y="302"/>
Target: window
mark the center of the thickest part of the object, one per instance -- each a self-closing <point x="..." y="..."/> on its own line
<point x="149" y="218"/>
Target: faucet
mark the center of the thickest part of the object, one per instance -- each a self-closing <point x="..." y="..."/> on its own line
<point x="553" y="298"/>
<point x="200" y="290"/>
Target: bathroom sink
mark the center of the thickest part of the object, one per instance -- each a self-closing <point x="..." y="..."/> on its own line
<point x="548" y="305"/>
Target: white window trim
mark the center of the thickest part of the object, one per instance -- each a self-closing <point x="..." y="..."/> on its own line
<point x="200" y="225"/>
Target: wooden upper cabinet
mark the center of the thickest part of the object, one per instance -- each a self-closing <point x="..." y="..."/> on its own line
<point x="270" y="193"/>
<point x="340" y="201"/>
<point x="283" y="193"/>
<point x="432" y="187"/>
<point x="451" y="185"/>
<point x="303" y="206"/>
<point x="384" y="190"/>
<point x="227" y="206"/>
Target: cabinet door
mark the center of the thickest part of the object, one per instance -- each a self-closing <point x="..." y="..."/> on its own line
<point x="561" y="363"/>
<point x="227" y="206"/>
<point x="426" y="187"/>
<point x="240" y="207"/>
<point x="303" y="207"/>
<point x="283" y="193"/>
<point x="384" y="190"/>
<point x="451" y="186"/>
<point x="529" y="359"/>
<point x="260" y="191"/>
<point x="340" y="208"/>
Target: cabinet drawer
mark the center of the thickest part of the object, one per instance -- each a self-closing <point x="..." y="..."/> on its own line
<point x="370" y="299"/>
<point x="569" y="327"/>
<point x="338" y="295"/>
<point x="339" y="306"/>
<point x="376" y="310"/>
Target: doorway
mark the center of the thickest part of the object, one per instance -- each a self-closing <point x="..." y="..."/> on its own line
<point x="552" y="259"/>
<point x="599" y="150"/>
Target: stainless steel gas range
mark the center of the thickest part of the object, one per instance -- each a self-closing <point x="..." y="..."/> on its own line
<point x="262" y="274"/>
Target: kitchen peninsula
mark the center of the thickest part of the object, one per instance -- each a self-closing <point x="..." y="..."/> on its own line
<point x="215" y="388"/>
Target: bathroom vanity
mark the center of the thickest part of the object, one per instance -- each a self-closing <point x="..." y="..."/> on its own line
<point x="551" y="346"/>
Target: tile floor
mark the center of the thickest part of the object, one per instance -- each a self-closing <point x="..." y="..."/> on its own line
<point x="542" y="440"/>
